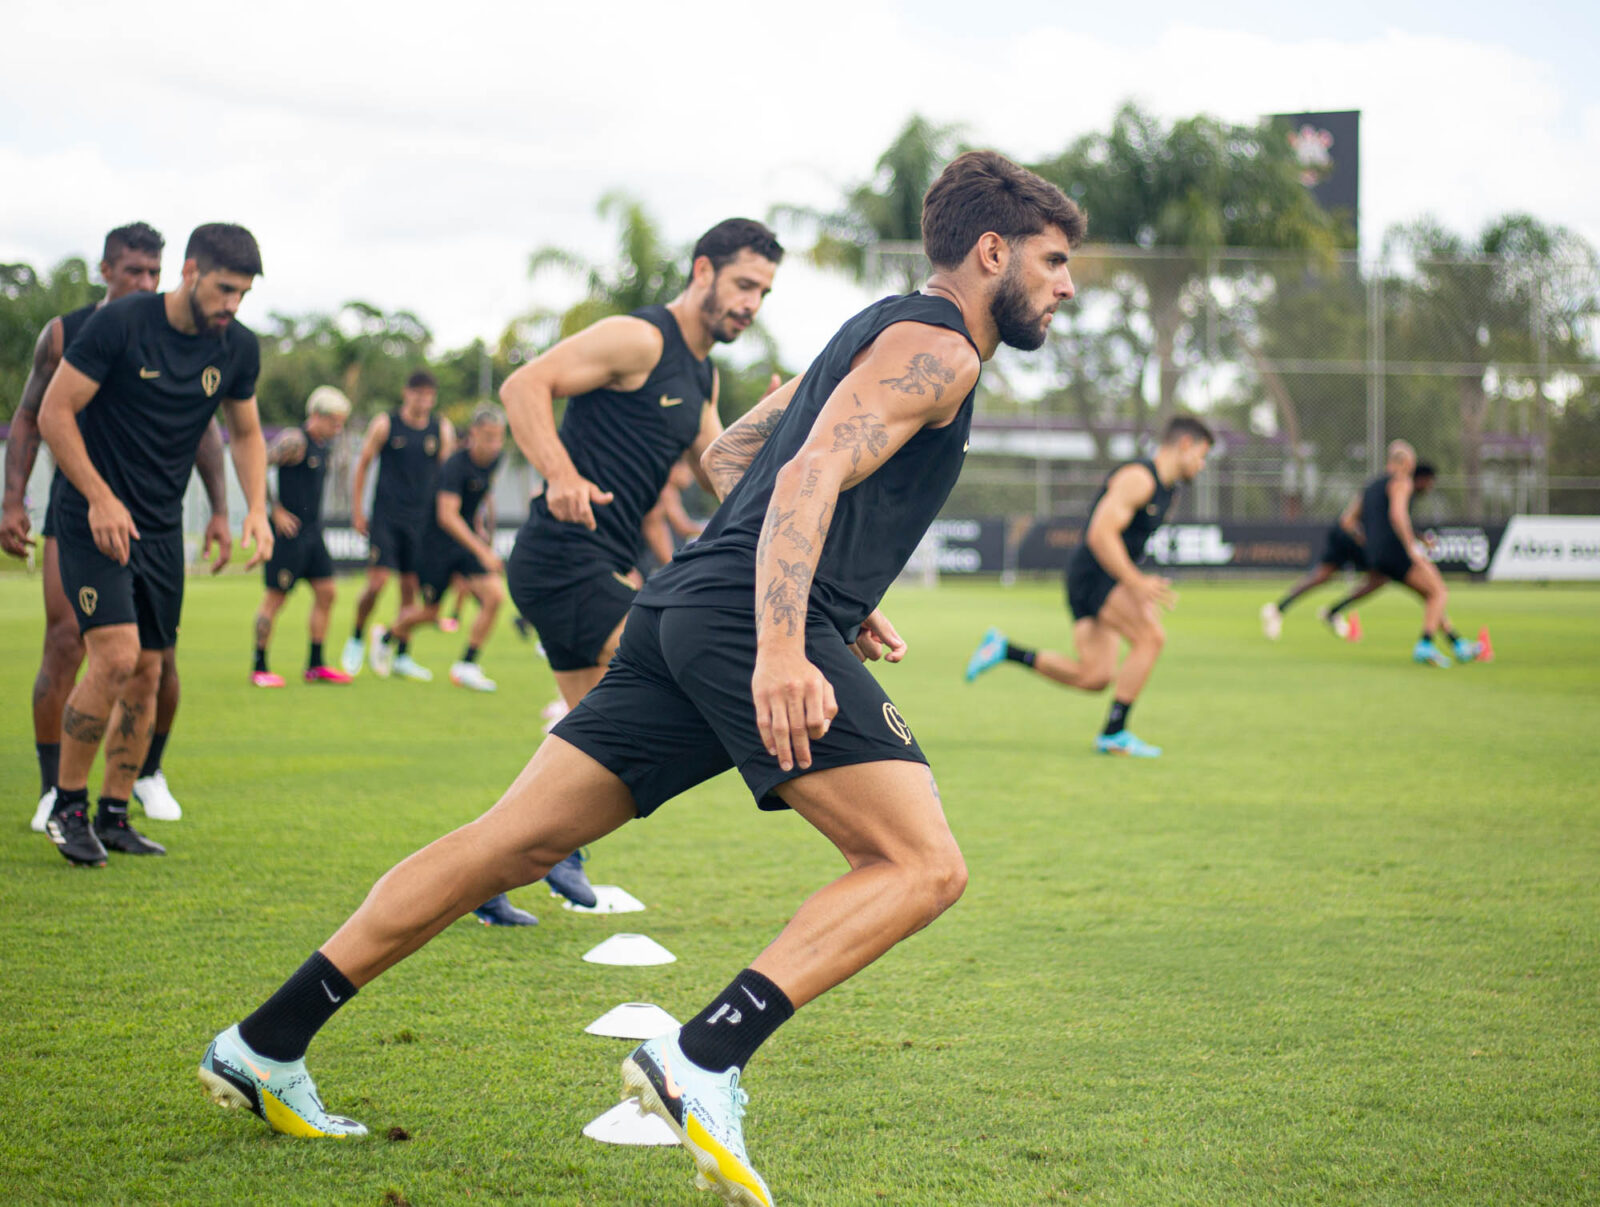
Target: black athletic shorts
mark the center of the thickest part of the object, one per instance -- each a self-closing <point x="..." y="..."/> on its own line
<point x="574" y="619"/>
<point x="303" y="555"/>
<point x="147" y="592"/>
<point x="395" y="543"/>
<point x="1390" y="559"/>
<point x="675" y="709"/>
<point x="439" y="565"/>
<point x="1087" y="587"/>
<point x="1341" y="549"/>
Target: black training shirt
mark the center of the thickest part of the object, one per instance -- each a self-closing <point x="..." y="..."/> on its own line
<point x="1140" y="529"/>
<point x="462" y="476"/>
<point x="300" y="485"/>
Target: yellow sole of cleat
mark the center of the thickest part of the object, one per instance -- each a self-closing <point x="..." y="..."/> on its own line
<point x="709" y="1173"/>
<point x="279" y="1117"/>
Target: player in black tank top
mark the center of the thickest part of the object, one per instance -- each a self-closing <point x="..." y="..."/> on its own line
<point x="301" y="455"/>
<point x="1110" y="598"/>
<point x="409" y="444"/>
<point x="768" y="684"/>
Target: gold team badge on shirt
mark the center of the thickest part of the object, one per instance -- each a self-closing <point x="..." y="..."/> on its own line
<point x="431" y="445"/>
<point x="210" y="379"/>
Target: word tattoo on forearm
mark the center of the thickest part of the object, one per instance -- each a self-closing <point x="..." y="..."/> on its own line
<point x="924" y="373"/>
<point x="860" y="433"/>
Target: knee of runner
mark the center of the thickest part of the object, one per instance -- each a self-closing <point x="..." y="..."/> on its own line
<point x="325" y="593"/>
<point x="117" y="663"/>
<point x="1153" y="638"/>
<point x="63" y="644"/>
<point x="490" y="593"/>
<point x="1096" y="679"/>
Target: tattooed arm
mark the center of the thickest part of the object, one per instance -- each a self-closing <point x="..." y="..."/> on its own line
<point x="22" y="444"/>
<point x="288" y="449"/>
<point x="725" y="461"/>
<point x="913" y="376"/>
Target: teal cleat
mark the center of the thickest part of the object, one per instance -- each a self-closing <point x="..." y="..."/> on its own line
<point x="1428" y="654"/>
<point x="1125" y="743"/>
<point x="1467" y="651"/>
<point x="991" y="652"/>
<point x="408" y="667"/>
<point x="236" y="1076"/>
<point x="704" y="1110"/>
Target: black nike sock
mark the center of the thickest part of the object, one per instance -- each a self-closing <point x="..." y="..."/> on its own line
<point x="739" y="1020"/>
<point x="471" y="655"/>
<point x="1117" y="719"/>
<point x="401" y="648"/>
<point x="152" y="758"/>
<point x="282" y="1028"/>
<point x="1450" y="634"/>
<point x="49" y="764"/>
<point x="1020" y="653"/>
<point x="357" y="633"/>
<point x="316" y="656"/>
<point x="261" y="660"/>
<point x="70" y="800"/>
<point x="1340" y="606"/>
<point x="112" y="809"/>
<point x="1283" y="604"/>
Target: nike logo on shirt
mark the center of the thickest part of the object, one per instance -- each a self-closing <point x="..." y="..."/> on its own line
<point x="670" y="402"/>
<point x="149" y="374"/>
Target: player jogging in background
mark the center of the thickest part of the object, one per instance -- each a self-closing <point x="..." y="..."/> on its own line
<point x="455" y="543"/>
<point x="1111" y="599"/>
<point x="301" y="455"/>
<point x="410" y="444"/>
<point x="746" y="652"/>
<point x="641" y="392"/>
<point x="130" y="263"/>
<point x="124" y="415"/>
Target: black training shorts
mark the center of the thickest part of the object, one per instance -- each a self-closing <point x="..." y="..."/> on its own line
<point x="395" y="543"/>
<point x="1341" y="549"/>
<point x="147" y="592"/>
<point x="1087" y="586"/>
<point x="303" y="555"/>
<point x="575" y="619"/>
<point x="675" y="708"/>
<point x="440" y="565"/>
<point x="1390" y="559"/>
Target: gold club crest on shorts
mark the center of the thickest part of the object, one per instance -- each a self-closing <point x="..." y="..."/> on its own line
<point x="285" y="578"/>
<point x="88" y="600"/>
<point x="896" y="723"/>
<point x="210" y="379"/>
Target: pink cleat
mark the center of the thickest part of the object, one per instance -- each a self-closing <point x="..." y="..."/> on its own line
<point x="266" y="679"/>
<point x="448" y="624"/>
<point x="326" y="674"/>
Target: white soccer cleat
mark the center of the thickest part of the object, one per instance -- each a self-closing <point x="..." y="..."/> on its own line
<point x="408" y="667"/>
<point x="1271" y="621"/>
<point x="41" y="815"/>
<point x="1339" y="625"/>
<point x="354" y="655"/>
<point x="157" y="799"/>
<point x="381" y="653"/>
<point x="470" y="675"/>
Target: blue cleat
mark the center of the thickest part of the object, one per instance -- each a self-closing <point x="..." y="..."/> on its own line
<point x="1125" y="743"/>
<point x="498" y="911"/>
<point x="569" y="879"/>
<point x="282" y="1094"/>
<point x="704" y="1110"/>
<point x="1467" y="651"/>
<point x="1428" y="654"/>
<point x="991" y="651"/>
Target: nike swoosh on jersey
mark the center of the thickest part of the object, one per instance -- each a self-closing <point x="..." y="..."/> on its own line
<point x="670" y="402"/>
<point x="149" y="374"/>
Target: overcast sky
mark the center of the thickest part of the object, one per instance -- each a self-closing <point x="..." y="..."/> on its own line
<point x="413" y="155"/>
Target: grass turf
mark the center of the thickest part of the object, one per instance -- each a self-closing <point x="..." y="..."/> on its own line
<point x="1339" y="946"/>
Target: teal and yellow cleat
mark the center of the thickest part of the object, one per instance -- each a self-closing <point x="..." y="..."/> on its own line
<point x="1467" y="651"/>
<point x="235" y="1076"/>
<point x="1125" y="743"/>
<point x="704" y="1110"/>
<point x="1428" y="654"/>
<point x="991" y="651"/>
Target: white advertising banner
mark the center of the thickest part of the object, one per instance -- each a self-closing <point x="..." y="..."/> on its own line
<point x="1548" y="547"/>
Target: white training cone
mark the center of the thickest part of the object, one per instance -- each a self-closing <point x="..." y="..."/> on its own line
<point x="630" y="950"/>
<point x="626" y="1124"/>
<point x="633" y="1020"/>
<point x="608" y="899"/>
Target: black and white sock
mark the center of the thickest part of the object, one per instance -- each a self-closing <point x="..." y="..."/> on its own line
<point x="726" y="1034"/>
<point x="284" y="1025"/>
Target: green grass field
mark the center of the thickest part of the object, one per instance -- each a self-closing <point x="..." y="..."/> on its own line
<point x="1340" y="946"/>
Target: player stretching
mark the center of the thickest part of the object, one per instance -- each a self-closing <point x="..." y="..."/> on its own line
<point x="1109" y="595"/>
<point x="130" y="263"/>
<point x="410" y="443"/>
<point x="642" y="392"/>
<point x="458" y="542"/>
<point x="123" y="416"/>
<point x="834" y="480"/>
<point x="301" y="456"/>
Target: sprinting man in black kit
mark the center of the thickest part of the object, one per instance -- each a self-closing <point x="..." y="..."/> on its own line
<point x="746" y="652"/>
<point x="1111" y="599"/>
<point x="123" y="416"/>
<point x="641" y="393"/>
<point x="130" y="263"/>
<point x="410" y="443"/>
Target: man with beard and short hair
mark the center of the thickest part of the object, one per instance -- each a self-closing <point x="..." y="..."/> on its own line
<point x="747" y="652"/>
<point x="124" y="415"/>
<point x="130" y="263"/>
<point x="1111" y="599"/>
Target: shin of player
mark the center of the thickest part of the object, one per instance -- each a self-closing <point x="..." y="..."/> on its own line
<point x="1111" y="599"/>
<point x="301" y="455"/>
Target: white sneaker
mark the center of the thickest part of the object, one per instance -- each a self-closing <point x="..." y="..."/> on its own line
<point x="354" y="655"/>
<point x="470" y="675"/>
<point x="1339" y="625"/>
<point x="1271" y="621"/>
<point x="382" y="652"/>
<point x="157" y="799"/>
<point x="408" y="667"/>
<point x="42" y="813"/>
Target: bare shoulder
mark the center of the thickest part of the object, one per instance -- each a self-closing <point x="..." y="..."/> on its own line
<point x="1133" y="482"/>
<point x="626" y="343"/>
<point x="924" y="360"/>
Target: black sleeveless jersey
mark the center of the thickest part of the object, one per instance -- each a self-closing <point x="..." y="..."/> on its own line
<point x="300" y="484"/>
<point x="877" y="523"/>
<point x="462" y="476"/>
<point x="624" y="442"/>
<point x="408" y="467"/>
<point x="1145" y="521"/>
<point x="1375" y="522"/>
<point x="72" y="322"/>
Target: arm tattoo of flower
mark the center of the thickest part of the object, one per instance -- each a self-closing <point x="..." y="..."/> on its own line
<point x="860" y="433"/>
<point x="924" y="373"/>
